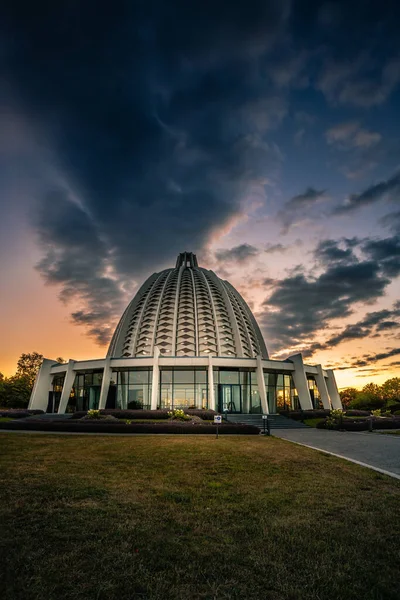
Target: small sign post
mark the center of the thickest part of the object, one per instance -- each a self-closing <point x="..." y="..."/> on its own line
<point x="217" y="421"/>
<point x="265" y="423"/>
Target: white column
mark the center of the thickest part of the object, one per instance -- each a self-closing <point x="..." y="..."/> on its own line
<point x="211" y="395"/>
<point x="40" y="394"/>
<point x="300" y="382"/>
<point x="323" y="390"/>
<point x="105" y="383"/>
<point x="155" y="382"/>
<point x="333" y="390"/>
<point x="261" y="386"/>
<point x="67" y="387"/>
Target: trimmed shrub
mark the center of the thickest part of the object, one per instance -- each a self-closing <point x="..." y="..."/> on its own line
<point x="394" y="408"/>
<point x="20" y="413"/>
<point x="357" y="413"/>
<point x="95" y="426"/>
<point x="347" y="425"/>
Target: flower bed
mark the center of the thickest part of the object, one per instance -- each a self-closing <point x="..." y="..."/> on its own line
<point x="99" y="426"/>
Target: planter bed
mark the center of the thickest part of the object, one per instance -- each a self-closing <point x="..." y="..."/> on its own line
<point x="175" y="427"/>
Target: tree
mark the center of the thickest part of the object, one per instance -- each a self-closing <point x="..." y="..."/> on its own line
<point x="348" y="395"/>
<point x="28" y="365"/>
<point x="61" y="360"/>
<point x="369" y="398"/>
<point x="391" y="391"/>
<point x="15" y="392"/>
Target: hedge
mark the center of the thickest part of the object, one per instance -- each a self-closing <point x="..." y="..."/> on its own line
<point x="20" y="413"/>
<point x="357" y="413"/>
<point x="174" y="427"/>
<point x="207" y="415"/>
<point x="377" y="423"/>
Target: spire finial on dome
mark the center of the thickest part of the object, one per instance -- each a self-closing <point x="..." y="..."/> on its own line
<point x="187" y="259"/>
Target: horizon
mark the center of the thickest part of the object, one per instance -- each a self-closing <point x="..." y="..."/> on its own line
<point x="269" y="147"/>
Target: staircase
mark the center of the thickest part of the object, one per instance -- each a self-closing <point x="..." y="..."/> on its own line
<point x="275" y="421"/>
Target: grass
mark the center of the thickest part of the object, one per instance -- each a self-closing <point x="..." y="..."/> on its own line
<point x="396" y="432"/>
<point x="5" y="419"/>
<point x="312" y="422"/>
<point x="192" y="518"/>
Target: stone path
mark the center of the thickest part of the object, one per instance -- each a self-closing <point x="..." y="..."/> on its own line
<point x="373" y="450"/>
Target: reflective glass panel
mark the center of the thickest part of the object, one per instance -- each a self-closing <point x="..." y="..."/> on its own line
<point x="229" y="376"/>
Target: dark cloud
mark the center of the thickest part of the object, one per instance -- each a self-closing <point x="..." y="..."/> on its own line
<point x="392" y="221"/>
<point x="386" y="252"/>
<point x="300" y="306"/>
<point x="385" y="190"/>
<point x="332" y="251"/>
<point x="272" y="248"/>
<point x="293" y="209"/>
<point x="238" y="254"/>
<point x="350" y="135"/>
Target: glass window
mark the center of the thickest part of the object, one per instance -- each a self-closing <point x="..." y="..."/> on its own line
<point x="139" y="376"/>
<point x="201" y="376"/>
<point x="183" y="376"/>
<point x="183" y="396"/>
<point x="253" y="377"/>
<point x="166" y="375"/>
<point x="97" y="378"/>
<point x="229" y="376"/>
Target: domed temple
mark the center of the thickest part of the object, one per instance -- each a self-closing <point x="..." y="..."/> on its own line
<point x="186" y="340"/>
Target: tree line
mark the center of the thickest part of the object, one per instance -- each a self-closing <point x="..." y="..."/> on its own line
<point x="372" y="396"/>
<point x="15" y="391"/>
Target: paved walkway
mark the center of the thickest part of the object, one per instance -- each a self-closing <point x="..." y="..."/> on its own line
<point x="373" y="450"/>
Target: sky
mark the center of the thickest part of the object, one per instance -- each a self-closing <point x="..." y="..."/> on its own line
<point x="262" y="135"/>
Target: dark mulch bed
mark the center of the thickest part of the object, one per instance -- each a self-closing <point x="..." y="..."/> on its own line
<point x="175" y="427"/>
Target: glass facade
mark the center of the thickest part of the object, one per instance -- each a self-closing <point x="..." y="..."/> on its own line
<point x="281" y="392"/>
<point x="314" y="393"/>
<point x="236" y="391"/>
<point x="183" y="388"/>
<point x="85" y="393"/>
<point x="133" y="388"/>
<point x="55" y="394"/>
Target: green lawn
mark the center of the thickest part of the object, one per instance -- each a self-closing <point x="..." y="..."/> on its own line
<point x="165" y="517"/>
<point x="395" y="432"/>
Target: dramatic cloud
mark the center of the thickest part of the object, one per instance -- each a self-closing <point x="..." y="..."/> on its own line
<point x="238" y="254"/>
<point x="384" y="190"/>
<point x="347" y="136"/>
<point x="160" y="131"/>
<point x="294" y="208"/>
<point x="301" y="307"/>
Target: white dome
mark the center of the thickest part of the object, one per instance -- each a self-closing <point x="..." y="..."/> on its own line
<point x="187" y="311"/>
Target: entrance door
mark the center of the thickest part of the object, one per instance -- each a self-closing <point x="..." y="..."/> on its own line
<point x="229" y="398"/>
